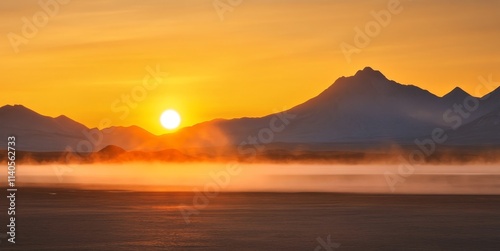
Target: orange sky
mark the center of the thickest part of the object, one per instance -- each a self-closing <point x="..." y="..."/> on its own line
<point x="263" y="56"/>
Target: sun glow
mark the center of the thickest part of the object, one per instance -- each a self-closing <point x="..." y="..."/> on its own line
<point x="170" y="119"/>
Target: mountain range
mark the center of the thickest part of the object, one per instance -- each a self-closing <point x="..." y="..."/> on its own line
<point x="363" y="111"/>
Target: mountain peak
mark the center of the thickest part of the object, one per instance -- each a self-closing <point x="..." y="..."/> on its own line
<point x="14" y="107"/>
<point x="456" y="93"/>
<point x="112" y="149"/>
<point x="370" y="73"/>
<point x="458" y="90"/>
<point x="16" y="110"/>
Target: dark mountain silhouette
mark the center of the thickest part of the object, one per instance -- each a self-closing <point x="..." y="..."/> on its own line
<point x="112" y="150"/>
<point x="366" y="108"/>
<point x="362" y="111"/>
<point x="457" y="95"/>
<point x="36" y="132"/>
<point x="484" y="131"/>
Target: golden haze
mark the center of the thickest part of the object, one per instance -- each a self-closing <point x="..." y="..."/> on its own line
<point x="265" y="55"/>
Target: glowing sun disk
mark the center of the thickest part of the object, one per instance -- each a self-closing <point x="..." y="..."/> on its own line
<point x="170" y="119"/>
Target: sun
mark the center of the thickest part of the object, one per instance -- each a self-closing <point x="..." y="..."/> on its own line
<point x="170" y="119"/>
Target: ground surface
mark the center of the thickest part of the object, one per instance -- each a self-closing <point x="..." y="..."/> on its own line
<point x="56" y="219"/>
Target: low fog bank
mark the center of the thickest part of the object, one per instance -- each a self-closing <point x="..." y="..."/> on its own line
<point x="276" y="155"/>
<point x="238" y="177"/>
